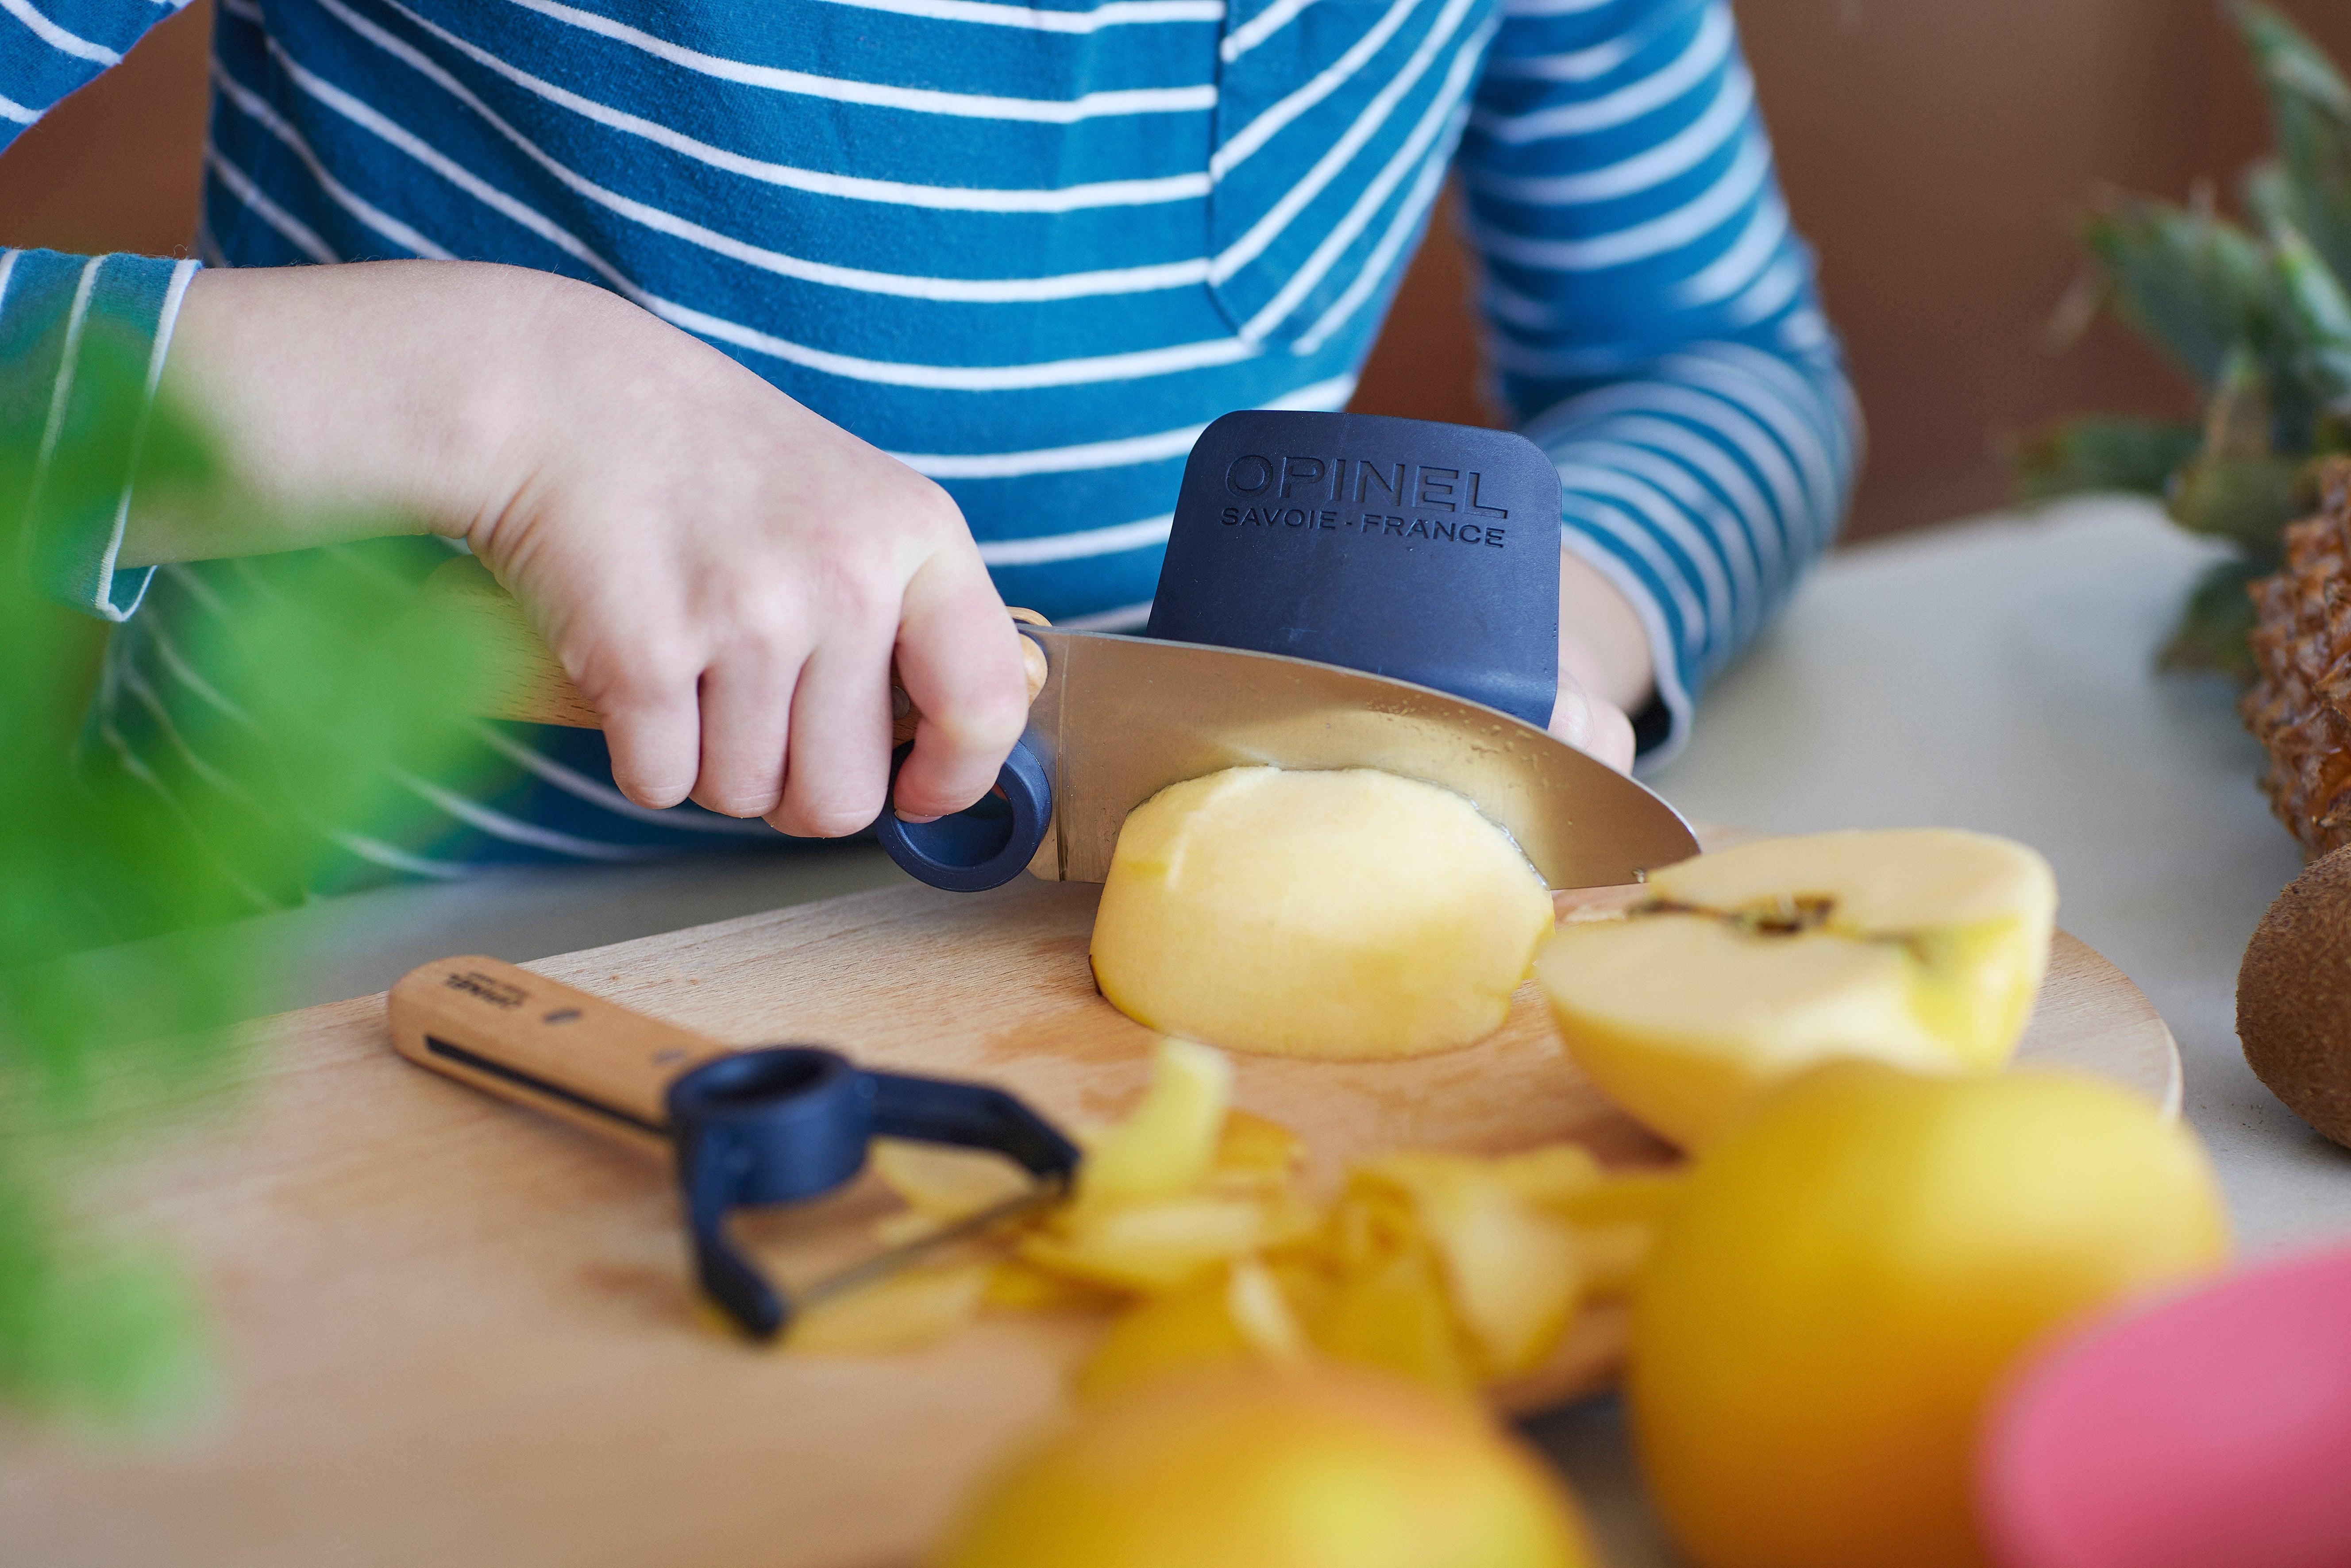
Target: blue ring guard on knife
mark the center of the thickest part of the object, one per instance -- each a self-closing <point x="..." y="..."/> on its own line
<point x="984" y="847"/>
<point x="790" y="1122"/>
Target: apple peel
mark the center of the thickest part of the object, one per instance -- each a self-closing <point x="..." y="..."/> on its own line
<point x="1194" y="1236"/>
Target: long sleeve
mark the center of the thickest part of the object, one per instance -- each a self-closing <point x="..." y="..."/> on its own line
<point x="82" y="341"/>
<point x="1652" y="320"/>
<point x="48" y="47"/>
<point x="60" y="316"/>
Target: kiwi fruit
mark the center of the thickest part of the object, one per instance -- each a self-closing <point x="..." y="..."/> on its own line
<point x="2293" y="998"/>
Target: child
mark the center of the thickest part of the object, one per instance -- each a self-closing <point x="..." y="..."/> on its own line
<point x="754" y="345"/>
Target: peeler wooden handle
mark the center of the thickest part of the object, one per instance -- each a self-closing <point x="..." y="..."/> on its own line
<point x="542" y="1043"/>
<point x="463" y="595"/>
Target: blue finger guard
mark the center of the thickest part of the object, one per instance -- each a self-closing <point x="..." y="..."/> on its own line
<point x="1421" y="552"/>
<point x="790" y="1123"/>
<point x="984" y="847"/>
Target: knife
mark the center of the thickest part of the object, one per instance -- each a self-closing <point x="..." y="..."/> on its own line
<point x="1113" y="720"/>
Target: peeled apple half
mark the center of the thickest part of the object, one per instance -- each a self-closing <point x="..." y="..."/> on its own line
<point x="1919" y="948"/>
<point x="1341" y="914"/>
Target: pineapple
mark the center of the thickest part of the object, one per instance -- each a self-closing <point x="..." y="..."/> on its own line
<point x="2300" y="705"/>
<point x="2257" y="316"/>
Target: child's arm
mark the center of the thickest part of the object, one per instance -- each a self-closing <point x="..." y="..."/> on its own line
<point x="1653" y="318"/>
<point x="725" y="575"/>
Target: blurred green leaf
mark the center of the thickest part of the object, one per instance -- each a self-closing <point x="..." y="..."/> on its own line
<point x="2314" y="314"/>
<point x="2267" y="196"/>
<point x="2310" y="116"/>
<point x="325" y="680"/>
<point x="2103" y="452"/>
<point x="2215" y="623"/>
<point x="92" y="1332"/>
<point x="2245" y="500"/>
<point x="2241" y="416"/>
<point x="2194" y="284"/>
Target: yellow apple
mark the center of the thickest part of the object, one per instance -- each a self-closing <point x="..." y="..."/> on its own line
<point x="1256" y="1467"/>
<point x="1919" y="948"/>
<point x="1341" y="914"/>
<point x="1846" y="1275"/>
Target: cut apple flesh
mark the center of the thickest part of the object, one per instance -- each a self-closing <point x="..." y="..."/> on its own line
<point x="1921" y="948"/>
<point x="1341" y="914"/>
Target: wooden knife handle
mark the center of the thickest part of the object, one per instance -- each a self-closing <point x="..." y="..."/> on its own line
<point x="542" y="1043"/>
<point x="465" y="597"/>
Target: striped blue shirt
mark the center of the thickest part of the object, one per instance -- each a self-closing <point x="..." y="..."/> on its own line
<point x="1029" y="250"/>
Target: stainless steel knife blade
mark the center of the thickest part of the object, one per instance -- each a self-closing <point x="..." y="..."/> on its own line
<point x="1120" y="718"/>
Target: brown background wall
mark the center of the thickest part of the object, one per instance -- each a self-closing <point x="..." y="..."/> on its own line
<point x="1935" y="153"/>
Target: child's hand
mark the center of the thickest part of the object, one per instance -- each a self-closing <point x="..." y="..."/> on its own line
<point x="1603" y="665"/>
<point x="725" y="575"/>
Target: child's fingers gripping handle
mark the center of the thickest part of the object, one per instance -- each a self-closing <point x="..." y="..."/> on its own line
<point x="541" y="1043"/>
<point x="467" y="603"/>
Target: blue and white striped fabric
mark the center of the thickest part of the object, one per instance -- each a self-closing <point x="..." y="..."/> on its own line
<point x="1032" y="250"/>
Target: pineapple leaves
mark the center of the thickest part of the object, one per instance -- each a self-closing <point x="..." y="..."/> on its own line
<point x="2245" y="500"/>
<point x="2258" y="318"/>
<point x="2213" y="624"/>
<point x="2103" y="452"/>
<point x="2313" y="317"/>
<point x="2310" y="115"/>
<point x="2237" y="485"/>
<point x="2193" y="284"/>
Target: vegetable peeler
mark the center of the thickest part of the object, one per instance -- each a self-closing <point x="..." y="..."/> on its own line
<point x="781" y="1124"/>
<point x="1339" y="590"/>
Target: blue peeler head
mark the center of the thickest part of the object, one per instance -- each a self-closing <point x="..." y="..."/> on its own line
<point x="790" y="1123"/>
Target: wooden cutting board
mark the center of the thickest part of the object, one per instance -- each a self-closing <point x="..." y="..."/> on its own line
<point x="457" y="1332"/>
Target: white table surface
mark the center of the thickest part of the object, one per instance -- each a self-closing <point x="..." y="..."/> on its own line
<point x="1992" y="675"/>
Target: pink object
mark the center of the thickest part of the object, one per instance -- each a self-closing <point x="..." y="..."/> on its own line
<point x="2210" y="1431"/>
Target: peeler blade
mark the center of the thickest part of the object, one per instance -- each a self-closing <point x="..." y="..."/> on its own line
<point x="894" y="1260"/>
